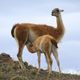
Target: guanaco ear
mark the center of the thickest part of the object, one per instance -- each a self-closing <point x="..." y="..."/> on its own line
<point x="61" y="10"/>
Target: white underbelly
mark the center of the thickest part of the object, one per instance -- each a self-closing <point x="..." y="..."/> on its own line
<point x="32" y="36"/>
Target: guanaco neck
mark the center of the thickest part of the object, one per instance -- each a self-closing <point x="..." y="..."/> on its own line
<point x="60" y="27"/>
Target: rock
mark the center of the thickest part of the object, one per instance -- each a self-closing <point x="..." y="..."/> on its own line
<point x="5" y="58"/>
<point x="14" y="72"/>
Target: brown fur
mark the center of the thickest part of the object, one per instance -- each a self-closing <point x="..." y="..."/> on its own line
<point x="27" y="33"/>
<point x="45" y="44"/>
<point x="39" y="30"/>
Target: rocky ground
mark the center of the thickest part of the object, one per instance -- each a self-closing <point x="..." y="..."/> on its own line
<point x="10" y="70"/>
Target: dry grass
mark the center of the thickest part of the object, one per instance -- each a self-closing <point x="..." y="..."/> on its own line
<point x="12" y="71"/>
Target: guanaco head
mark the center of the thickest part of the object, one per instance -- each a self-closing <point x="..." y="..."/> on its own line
<point x="31" y="47"/>
<point x="56" y="12"/>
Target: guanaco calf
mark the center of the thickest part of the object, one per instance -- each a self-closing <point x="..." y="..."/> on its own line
<point x="45" y="44"/>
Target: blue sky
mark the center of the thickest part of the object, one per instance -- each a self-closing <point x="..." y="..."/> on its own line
<point x="39" y="11"/>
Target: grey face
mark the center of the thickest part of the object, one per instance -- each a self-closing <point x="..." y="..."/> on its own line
<point x="56" y="12"/>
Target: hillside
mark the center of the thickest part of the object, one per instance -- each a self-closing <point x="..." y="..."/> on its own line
<point x="10" y="70"/>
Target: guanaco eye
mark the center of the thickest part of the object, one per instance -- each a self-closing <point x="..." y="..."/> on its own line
<point x="31" y="45"/>
<point x="57" y="10"/>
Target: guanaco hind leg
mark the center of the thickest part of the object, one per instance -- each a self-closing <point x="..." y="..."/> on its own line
<point x="49" y="62"/>
<point x="21" y="37"/>
<point x="55" y="54"/>
<point x="19" y="55"/>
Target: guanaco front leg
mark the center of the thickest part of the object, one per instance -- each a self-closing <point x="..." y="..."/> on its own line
<point x="39" y="56"/>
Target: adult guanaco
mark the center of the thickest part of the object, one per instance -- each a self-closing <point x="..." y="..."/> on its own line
<point x="25" y="33"/>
